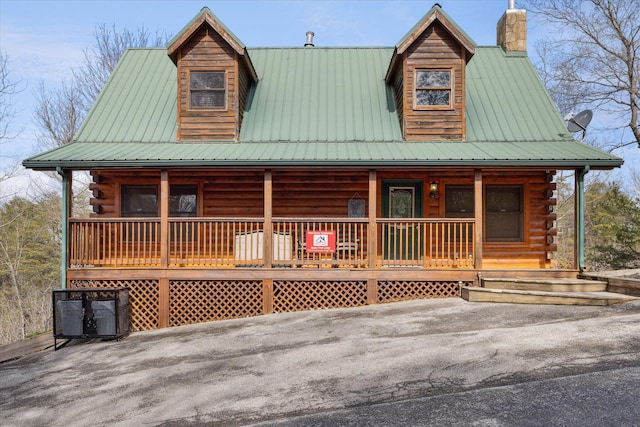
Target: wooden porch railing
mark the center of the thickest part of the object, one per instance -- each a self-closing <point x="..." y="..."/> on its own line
<point x="215" y="242"/>
<point x="350" y="243"/>
<point x="114" y="242"/>
<point x="240" y="242"/>
<point x="427" y="243"/>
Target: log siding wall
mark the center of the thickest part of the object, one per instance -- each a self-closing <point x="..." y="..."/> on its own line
<point x="317" y="194"/>
<point x="300" y="194"/>
<point x="434" y="49"/>
<point x="206" y="50"/>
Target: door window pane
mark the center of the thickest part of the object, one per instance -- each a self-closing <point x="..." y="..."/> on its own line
<point x="401" y="202"/>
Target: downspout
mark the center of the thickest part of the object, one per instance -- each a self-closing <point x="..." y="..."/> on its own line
<point x="580" y="217"/>
<point x="65" y="226"/>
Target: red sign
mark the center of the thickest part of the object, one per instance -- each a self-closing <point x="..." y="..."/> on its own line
<point x="321" y="241"/>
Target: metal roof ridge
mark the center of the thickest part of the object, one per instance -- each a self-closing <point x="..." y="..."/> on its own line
<point x="147" y="48"/>
<point x="318" y="47"/>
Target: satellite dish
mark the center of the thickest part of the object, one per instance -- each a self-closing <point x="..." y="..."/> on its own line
<point x="580" y="121"/>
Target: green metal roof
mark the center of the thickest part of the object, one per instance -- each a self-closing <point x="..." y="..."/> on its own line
<point x="324" y="106"/>
<point x="568" y="154"/>
<point x="321" y="94"/>
<point x="138" y="102"/>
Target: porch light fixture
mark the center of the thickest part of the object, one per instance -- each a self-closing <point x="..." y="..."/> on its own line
<point x="433" y="189"/>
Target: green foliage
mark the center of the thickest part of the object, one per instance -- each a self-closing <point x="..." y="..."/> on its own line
<point x="565" y="220"/>
<point x="612" y="221"/>
<point x="29" y="264"/>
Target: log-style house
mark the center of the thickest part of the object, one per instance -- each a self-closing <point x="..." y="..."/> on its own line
<point x="231" y="181"/>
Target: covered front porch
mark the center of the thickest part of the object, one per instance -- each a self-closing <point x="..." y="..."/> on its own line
<point x="219" y="243"/>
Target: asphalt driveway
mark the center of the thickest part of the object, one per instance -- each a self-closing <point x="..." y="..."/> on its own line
<point x="269" y="368"/>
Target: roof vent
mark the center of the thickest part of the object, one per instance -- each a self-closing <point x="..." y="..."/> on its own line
<point x="309" y="42"/>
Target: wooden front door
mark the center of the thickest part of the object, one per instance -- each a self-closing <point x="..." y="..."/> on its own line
<point x="402" y="200"/>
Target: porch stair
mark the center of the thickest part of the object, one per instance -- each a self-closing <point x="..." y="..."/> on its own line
<point x="543" y="291"/>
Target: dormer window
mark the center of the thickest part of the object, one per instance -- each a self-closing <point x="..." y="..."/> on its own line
<point x="208" y="90"/>
<point x="433" y="89"/>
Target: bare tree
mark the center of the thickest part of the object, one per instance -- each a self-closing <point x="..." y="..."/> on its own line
<point x="635" y="183"/>
<point x="58" y="114"/>
<point x="60" y="111"/>
<point x="101" y="59"/>
<point x="8" y="88"/>
<point x="594" y="56"/>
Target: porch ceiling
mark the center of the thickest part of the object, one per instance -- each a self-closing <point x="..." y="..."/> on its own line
<point x="564" y="155"/>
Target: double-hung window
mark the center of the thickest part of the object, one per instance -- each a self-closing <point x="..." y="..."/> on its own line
<point x="141" y="201"/>
<point x="433" y="89"/>
<point x="459" y="203"/>
<point x="504" y="213"/>
<point x="208" y="90"/>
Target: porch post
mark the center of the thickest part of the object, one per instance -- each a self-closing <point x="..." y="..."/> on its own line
<point x="67" y="194"/>
<point x="478" y="215"/>
<point x="164" y="219"/>
<point x="267" y="240"/>
<point x="372" y="239"/>
<point x="579" y="218"/>
<point x="163" y="283"/>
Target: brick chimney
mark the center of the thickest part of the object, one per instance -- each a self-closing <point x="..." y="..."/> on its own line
<point x="512" y="29"/>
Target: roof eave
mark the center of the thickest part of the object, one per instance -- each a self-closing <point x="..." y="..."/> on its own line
<point x="437" y="14"/>
<point x="207" y="17"/>
<point x="118" y="164"/>
<point x="434" y="14"/>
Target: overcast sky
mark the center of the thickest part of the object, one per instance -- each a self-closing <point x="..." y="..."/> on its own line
<point x="45" y="39"/>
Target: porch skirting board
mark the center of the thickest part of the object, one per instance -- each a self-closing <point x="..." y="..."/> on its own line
<point x="197" y="301"/>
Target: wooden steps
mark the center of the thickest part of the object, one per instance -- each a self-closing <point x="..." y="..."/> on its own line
<point x="546" y="285"/>
<point x="543" y="291"/>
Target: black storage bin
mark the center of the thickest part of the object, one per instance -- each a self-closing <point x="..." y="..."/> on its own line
<point x="90" y="313"/>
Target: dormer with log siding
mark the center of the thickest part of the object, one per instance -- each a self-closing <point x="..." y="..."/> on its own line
<point x="427" y="75"/>
<point x="215" y="75"/>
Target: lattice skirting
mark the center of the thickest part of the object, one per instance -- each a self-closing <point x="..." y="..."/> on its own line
<point x="143" y="299"/>
<point x="196" y="301"/>
<point x="313" y="295"/>
<point x="389" y="291"/>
